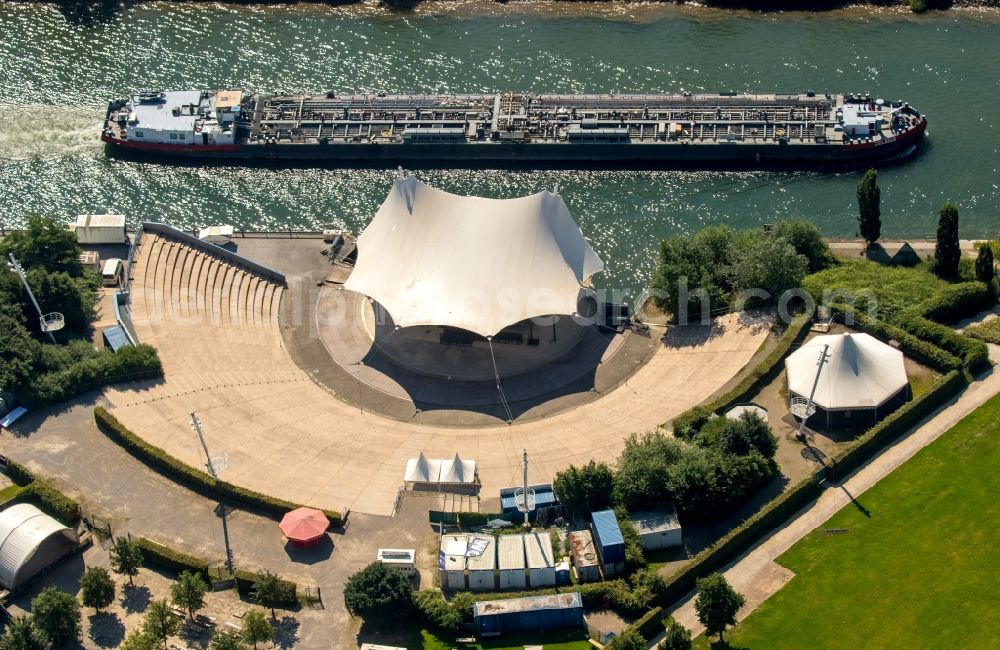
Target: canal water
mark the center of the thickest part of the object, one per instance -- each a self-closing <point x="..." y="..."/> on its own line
<point x="57" y="71"/>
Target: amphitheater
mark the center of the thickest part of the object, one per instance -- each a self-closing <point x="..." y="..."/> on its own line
<point x="216" y="323"/>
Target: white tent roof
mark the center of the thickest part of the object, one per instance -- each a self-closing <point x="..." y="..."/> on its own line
<point x="862" y="371"/>
<point x="422" y="470"/>
<point x="24" y="530"/>
<point x="434" y="258"/>
<point x="457" y="470"/>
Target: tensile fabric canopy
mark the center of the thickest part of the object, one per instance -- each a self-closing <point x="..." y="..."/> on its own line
<point x="304" y="525"/>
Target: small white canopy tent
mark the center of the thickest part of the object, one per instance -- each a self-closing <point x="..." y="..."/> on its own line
<point x="30" y="540"/>
<point x="453" y="471"/>
<point x="457" y="470"/>
<point x="434" y="258"/>
<point x="863" y="377"/>
<point x="421" y="470"/>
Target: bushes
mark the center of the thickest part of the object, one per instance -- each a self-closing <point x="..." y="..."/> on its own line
<point x="634" y="557"/>
<point x="52" y="502"/>
<point x="19" y="473"/>
<point x="650" y="624"/>
<point x="157" y="555"/>
<point x="584" y="489"/>
<point x="198" y="481"/>
<point x="78" y="373"/>
<point x="958" y="301"/>
<point x="246" y="580"/>
<point x="437" y="611"/>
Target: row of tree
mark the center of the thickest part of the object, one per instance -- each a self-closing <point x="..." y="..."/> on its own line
<point x="706" y="469"/>
<point x="55" y="615"/>
<point x="947" y="249"/>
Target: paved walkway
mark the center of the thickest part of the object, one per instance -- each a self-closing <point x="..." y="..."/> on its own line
<point x="758" y="576"/>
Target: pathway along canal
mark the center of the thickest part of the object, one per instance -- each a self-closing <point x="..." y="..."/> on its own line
<point x="57" y="72"/>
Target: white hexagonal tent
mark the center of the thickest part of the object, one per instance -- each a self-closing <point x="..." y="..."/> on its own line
<point x="863" y="381"/>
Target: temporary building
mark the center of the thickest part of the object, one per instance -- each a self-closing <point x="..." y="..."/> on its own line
<point x="541" y="565"/>
<point x="583" y="553"/>
<point x="30" y="541"/>
<point x="304" y="526"/>
<point x="659" y="529"/>
<point x="862" y="381"/>
<point x="609" y="541"/>
<point x="482" y="567"/>
<point x="457" y="470"/>
<point x="452" y="560"/>
<point x="434" y="258"/>
<point x="532" y="614"/>
<point x="510" y="561"/>
<point x="403" y="559"/>
<point x="452" y="471"/>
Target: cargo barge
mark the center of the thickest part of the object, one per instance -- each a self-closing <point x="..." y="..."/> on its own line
<point x="804" y="130"/>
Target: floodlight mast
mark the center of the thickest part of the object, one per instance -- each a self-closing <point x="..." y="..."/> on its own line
<point x="196" y="423"/>
<point x="823" y="358"/>
<point x="16" y="268"/>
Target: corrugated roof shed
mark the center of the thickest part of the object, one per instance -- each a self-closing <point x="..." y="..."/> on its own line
<point x="485" y="562"/>
<point x="511" y="552"/>
<point x="538" y="548"/>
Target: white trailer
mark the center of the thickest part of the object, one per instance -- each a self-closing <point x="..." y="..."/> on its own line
<point x="403" y="559"/>
<point x="100" y="229"/>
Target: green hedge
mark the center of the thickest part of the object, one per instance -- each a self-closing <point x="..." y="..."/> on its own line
<point x="51" y="501"/>
<point x="18" y="473"/>
<point x="958" y="301"/>
<point x="650" y="625"/>
<point x="100" y="369"/>
<point x="921" y="351"/>
<point x="760" y="376"/>
<point x="159" y="556"/>
<point x="200" y="482"/>
<point x="245" y="581"/>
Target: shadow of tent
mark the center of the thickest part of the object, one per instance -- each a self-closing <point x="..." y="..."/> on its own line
<point x="318" y="552"/>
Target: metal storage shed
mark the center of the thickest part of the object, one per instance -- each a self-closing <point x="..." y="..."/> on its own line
<point x="533" y="614"/>
<point x="482" y="568"/>
<point x="541" y="566"/>
<point x="451" y="561"/>
<point x="660" y="529"/>
<point x="511" y="562"/>
<point x="30" y="541"/>
<point x="609" y="541"/>
<point x="584" y="556"/>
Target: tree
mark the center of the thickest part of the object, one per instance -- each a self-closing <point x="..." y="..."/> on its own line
<point x="256" y="629"/>
<point x="717" y="603"/>
<point x="160" y="622"/>
<point x="628" y="640"/>
<point x="692" y="273"/>
<point x="947" y="251"/>
<point x="98" y="590"/>
<point x="985" y="270"/>
<point x="140" y="639"/>
<point x="677" y="637"/>
<point x="807" y="240"/>
<point x="226" y="640"/>
<point x="584" y="489"/>
<point x="189" y="592"/>
<point x="126" y="558"/>
<point x="45" y="242"/>
<point x="746" y="433"/>
<point x="643" y="466"/>
<point x="869" y="215"/>
<point x="635" y="559"/>
<point x="378" y="593"/>
<point x="18" y="349"/>
<point x="270" y="591"/>
<point x="771" y="264"/>
<point x="56" y="614"/>
<point x="23" y="635"/>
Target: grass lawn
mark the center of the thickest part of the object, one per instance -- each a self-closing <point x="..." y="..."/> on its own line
<point x="10" y="492"/>
<point x="986" y="331"/>
<point x="919" y="570"/>
<point x="893" y="288"/>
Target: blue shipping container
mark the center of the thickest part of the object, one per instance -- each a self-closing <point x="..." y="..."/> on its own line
<point x="608" y="537"/>
<point x="532" y="614"/>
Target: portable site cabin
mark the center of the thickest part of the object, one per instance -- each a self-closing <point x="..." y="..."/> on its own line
<point x="660" y="529"/>
<point x="532" y="614"/>
<point x="541" y="565"/>
<point x="403" y="559"/>
<point x="451" y="561"/>
<point x="482" y="567"/>
<point x="100" y="229"/>
<point x="609" y="542"/>
<point x="584" y="556"/>
<point x="511" y="562"/>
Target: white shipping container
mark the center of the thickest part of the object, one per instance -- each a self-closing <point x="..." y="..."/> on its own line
<point x="511" y="563"/>
<point x="482" y="568"/>
<point x="541" y="564"/>
<point x="100" y="229"/>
